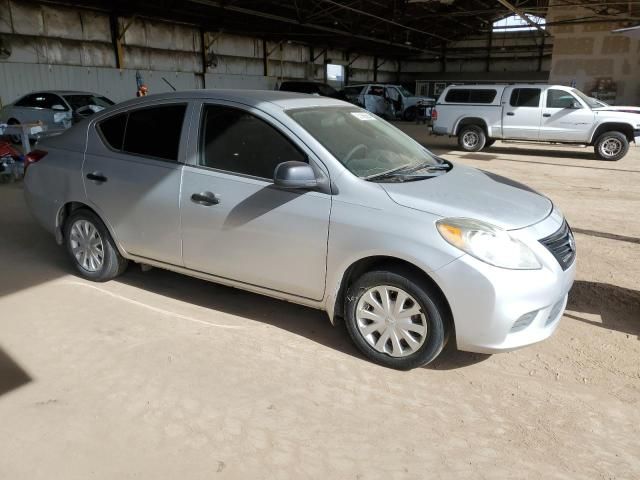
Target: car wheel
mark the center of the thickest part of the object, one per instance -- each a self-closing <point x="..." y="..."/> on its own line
<point x="410" y="114"/>
<point x="15" y="139"/>
<point x="91" y="248"/>
<point x="472" y="138"/>
<point x="611" y="146"/>
<point x="489" y="142"/>
<point x="396" y="319"/>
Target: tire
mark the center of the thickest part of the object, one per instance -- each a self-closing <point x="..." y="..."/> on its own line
<point x="15" y="139"/>
<point x="112" y="264"/>
<point x="472" y="138"/>
<point x="423" y="298"/>
<point x="410" y="114"/>
<point x="611" y="146"/>
<point x="489" y="142"/>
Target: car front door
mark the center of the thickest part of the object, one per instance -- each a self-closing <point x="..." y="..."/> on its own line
<point x="132" y="172"/>
<point x="236" y="224"/>
<point x="521" y="114"/>
<point x="565" y="117"/>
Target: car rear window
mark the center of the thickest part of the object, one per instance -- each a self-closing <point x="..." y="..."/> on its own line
<point x="470" y="95"/>
<point x="155" y="131"/>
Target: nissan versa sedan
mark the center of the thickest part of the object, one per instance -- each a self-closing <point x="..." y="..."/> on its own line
<point x="314" y="201"/>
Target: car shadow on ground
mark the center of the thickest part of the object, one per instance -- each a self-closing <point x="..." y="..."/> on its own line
<point x="12" y="375"/>
<point x="618" y="307"/>
<point x="297" y="319"/>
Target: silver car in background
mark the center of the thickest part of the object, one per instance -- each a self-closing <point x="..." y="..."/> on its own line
<point x="314" y="201"/>
<point x="57" y="109"/>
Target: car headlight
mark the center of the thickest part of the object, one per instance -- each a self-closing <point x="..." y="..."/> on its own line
<point x="488" y="243"/>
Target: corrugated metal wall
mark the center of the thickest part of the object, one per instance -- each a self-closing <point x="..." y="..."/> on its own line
<point x="54" y="47"/>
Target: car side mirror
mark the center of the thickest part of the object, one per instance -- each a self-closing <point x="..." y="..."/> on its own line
<point x="294" y="175"/>
<point x="58" y="107"/>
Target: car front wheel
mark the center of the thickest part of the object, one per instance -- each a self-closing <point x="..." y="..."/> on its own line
<point x="396" y="319"/>
<point x="91" y="249"/>
<point x="611" y="146"/>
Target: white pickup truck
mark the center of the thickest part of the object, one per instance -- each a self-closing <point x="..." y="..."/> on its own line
<point x="481" y="114"/>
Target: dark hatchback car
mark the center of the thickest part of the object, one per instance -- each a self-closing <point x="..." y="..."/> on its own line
<point x="312" y="88"/>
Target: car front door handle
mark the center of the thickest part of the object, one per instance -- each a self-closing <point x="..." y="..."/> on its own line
<point x="205" y="198"/>
<point x="510" y="114"/>
<point x="96" y="177"/>
<point x="546" y="114"/>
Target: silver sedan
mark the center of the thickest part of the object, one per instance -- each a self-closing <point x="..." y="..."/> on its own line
<point x="314" y="201"/>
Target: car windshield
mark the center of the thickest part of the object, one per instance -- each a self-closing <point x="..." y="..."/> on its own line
<point x="84" y="100"/>
<point x="405" y="92"/>
<point x="327" y="90"/>
<point x="364" y="143"/>
<point x="592" y="102"/>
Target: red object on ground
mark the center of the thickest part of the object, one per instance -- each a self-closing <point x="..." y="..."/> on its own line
<point x="6" y="150"/>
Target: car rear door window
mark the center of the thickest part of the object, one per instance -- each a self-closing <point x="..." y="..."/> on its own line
<point x="236" y="141"/>
<point x="112" y="130"/>
<point x="525" y="97"/>
<point x="155" y="131"/>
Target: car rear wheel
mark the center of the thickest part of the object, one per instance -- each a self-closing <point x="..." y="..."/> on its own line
<point x="611" y="146"/>
<point x="396" y="319"/>
<point x="91" y="249"/>
<point x="472" y="138"/>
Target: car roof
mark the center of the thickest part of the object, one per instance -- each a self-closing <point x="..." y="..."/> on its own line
<point x="62" y="92"/>
<point x="254" y="98"/>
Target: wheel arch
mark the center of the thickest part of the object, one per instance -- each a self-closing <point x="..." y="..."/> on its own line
<point x="68" y="208"/>
<point x="463" y="122"/>
<point x="380" y="262"/>
<point x="624" y="128"/>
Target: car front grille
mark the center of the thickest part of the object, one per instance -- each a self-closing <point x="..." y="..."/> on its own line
<point x="561" y="245"/>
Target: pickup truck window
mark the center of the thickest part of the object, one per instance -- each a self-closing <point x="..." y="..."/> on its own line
<point x="560" y="99"/>
<point x="468" y="95"/>
<point x="525" y="97"/>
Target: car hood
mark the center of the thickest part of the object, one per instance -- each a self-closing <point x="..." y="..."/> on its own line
<point x="618" y="108"/>
<point x="472" y="193"/>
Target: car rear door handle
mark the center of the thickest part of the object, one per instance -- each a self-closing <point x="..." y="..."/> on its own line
<point x="96" y="177"/>
<point x="546" y="114"/>
<point x="510" y="114"/>
<point x="205" y="198"/>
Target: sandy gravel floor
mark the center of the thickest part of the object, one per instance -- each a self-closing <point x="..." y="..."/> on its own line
<point x="159" y="376"/>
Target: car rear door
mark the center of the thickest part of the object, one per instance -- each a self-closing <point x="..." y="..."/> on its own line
<point x="236" y="224"/>
<point x="521" y="113"/>
<point x="132" y="172"/>
<point x="565" y="117"/>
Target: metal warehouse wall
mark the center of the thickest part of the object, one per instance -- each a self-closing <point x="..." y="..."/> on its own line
<point x="54" y="47"/>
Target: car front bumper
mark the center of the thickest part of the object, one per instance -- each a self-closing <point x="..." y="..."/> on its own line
<point x="486" y="301"/>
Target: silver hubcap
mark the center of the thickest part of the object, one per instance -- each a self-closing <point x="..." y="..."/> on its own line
<point x="611" y="147"/>
<point x="86" y="245"/>
<point x="470" y="139"/>
<point x="391" y="321"/>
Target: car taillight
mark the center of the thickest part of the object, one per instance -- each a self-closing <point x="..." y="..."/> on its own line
<point x="33" y="157"/>
<point x="434" y="114"/>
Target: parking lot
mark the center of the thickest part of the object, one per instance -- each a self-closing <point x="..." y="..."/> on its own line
<point x="157" y="375"/>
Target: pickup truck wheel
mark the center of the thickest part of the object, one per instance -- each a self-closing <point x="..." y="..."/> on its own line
<point x="410" y="114"/>
<point x="472" y="138"/>
<point x="611" y="146"/>
<point x="489" y="142"/>
<point x="396" y="319"/>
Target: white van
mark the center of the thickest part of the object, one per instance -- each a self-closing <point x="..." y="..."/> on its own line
<point x="481" y="114"/>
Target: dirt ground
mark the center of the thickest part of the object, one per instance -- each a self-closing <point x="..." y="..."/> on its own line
<point x="160" y="376"/>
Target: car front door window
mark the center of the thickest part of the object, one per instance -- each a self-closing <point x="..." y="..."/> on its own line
<point x="236" y="141"/>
